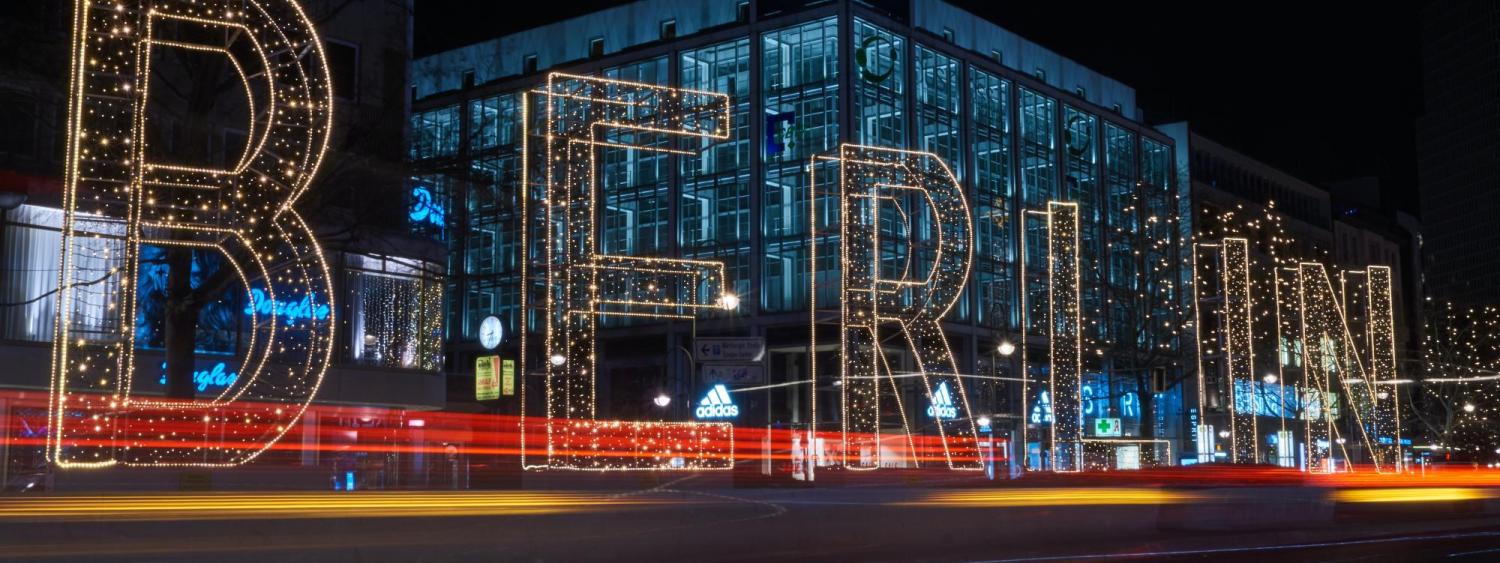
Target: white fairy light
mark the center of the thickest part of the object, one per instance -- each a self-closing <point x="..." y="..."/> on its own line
<point x="912" y="306"/>
<point x="115" y="195"/>
<point x="582" y="284"/>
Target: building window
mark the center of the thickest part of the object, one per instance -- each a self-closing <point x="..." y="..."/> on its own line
<point x="596" y="47"/>
<point x="668" y="29"/>
<point x="800" y="89"/>
<point x="435" y="133"/>
<point x="395" y="308"/>
<point x="528" y="64"/>
<point x="30" y="244"/>
<point x="493" y="121"/>
<point x="994" y="276"/>
<point x="879" y="100"/>
<point x="343" y="68"/>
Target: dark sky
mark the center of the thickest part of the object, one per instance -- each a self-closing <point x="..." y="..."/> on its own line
<point x="1323" y="92"/>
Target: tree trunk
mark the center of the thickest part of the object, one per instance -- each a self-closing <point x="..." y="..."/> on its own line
<point x="180" y="336"/>
<point x="1148" y="415"/>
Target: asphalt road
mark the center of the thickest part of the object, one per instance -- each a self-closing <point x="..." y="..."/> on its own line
<point x="677" y="521"/>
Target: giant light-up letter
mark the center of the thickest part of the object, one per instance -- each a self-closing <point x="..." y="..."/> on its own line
<point x="1227" y="263"/>
<point x="583" y="115"/>
<point x="914" y="201"/>
<point x="1060" y="321"/>
<point x="120" y="195"/>
<point x="1332" y="358"/>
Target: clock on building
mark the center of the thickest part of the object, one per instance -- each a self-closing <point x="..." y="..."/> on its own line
<point x="490" y="332"/>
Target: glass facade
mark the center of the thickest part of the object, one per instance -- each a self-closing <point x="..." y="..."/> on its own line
<point x="714" y="209"/>
<point x="797" y="92"/>
<point x="800" y="94"/>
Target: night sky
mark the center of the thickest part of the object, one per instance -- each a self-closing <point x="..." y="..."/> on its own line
<point x="1322" y="92"/>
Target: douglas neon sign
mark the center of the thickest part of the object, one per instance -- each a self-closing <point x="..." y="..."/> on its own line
<point x="218" y="376"/>
<point x="290" y="311"/>
<point x="425" y="207"/>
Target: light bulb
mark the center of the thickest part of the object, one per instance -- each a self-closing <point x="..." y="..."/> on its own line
<point x="729" y="301"/>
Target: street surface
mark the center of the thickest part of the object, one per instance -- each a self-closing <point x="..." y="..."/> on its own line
<point x="699" y="519"/>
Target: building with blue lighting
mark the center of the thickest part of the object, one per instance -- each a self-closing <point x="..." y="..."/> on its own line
<point x="387" y="355"/>
<point x="1019" y="125"/>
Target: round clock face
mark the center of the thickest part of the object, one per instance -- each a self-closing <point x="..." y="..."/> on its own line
<point x="490" y="332"/>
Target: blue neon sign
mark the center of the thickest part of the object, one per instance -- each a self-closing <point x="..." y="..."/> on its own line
<point x="218" y="376"/>
<point x="290" y="311"/>
<point x="425" y="207"/>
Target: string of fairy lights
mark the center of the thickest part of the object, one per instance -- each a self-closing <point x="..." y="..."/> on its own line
<point x="119" y="196"/>
<point x="1457" y="401"/>
<point x="881" y="295"/>
<point x="1060" y="312"/>
<point x="1339" y="341"/>
<point x="118" y="199"/>
<point x="582" y="116"/>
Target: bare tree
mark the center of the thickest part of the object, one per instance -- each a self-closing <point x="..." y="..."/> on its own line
<point x="1455" y="402"/>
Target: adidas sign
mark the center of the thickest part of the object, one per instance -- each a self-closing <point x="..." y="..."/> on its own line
<point x="716" y="404"/>
<point x="942" y="403"/>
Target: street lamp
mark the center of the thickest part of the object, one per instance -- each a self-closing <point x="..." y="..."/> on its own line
<point x="558" y="360"/>
<point x="1468" y="407"/>
<point x="1006" y="348"/>
<point x="1270" y="379"/>
<point x="662" y="400"/>
<point x="729" y="301"/>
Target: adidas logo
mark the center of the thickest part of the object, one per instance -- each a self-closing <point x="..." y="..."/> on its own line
<point x="942" y="403"/>
<point x="716" y="404"/>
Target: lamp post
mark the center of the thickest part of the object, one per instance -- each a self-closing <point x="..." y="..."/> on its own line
<point x="1006" y="349"/>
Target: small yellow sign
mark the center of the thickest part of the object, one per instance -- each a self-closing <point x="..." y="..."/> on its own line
<point x="508" y="377"/>
<point x="486" y="378"/>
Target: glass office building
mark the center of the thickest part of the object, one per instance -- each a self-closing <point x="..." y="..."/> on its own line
<point x="1018" y="125"/>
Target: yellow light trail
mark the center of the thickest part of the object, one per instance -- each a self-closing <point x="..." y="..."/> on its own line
<point x="1414" y="494"/>
<point x="1054" y="496"/>
<point x="313" y="505"/>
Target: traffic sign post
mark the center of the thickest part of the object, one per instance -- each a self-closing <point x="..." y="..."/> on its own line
<point x="735" y="350"/>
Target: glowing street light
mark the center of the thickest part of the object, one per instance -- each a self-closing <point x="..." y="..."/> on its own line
<point x="729" y="301"/>
<point x="1270" y="379"/>
<point x="662" y="400"/>
<point x="558" y="360"/>
<point x="1468" y="407"/>
<point x="1006" y="348"/>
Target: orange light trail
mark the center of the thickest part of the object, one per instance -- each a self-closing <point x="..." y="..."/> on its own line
<point x="161" y="507"/>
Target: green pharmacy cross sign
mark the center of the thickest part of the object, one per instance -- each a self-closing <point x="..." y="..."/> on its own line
<point x="1107" y="427"/>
